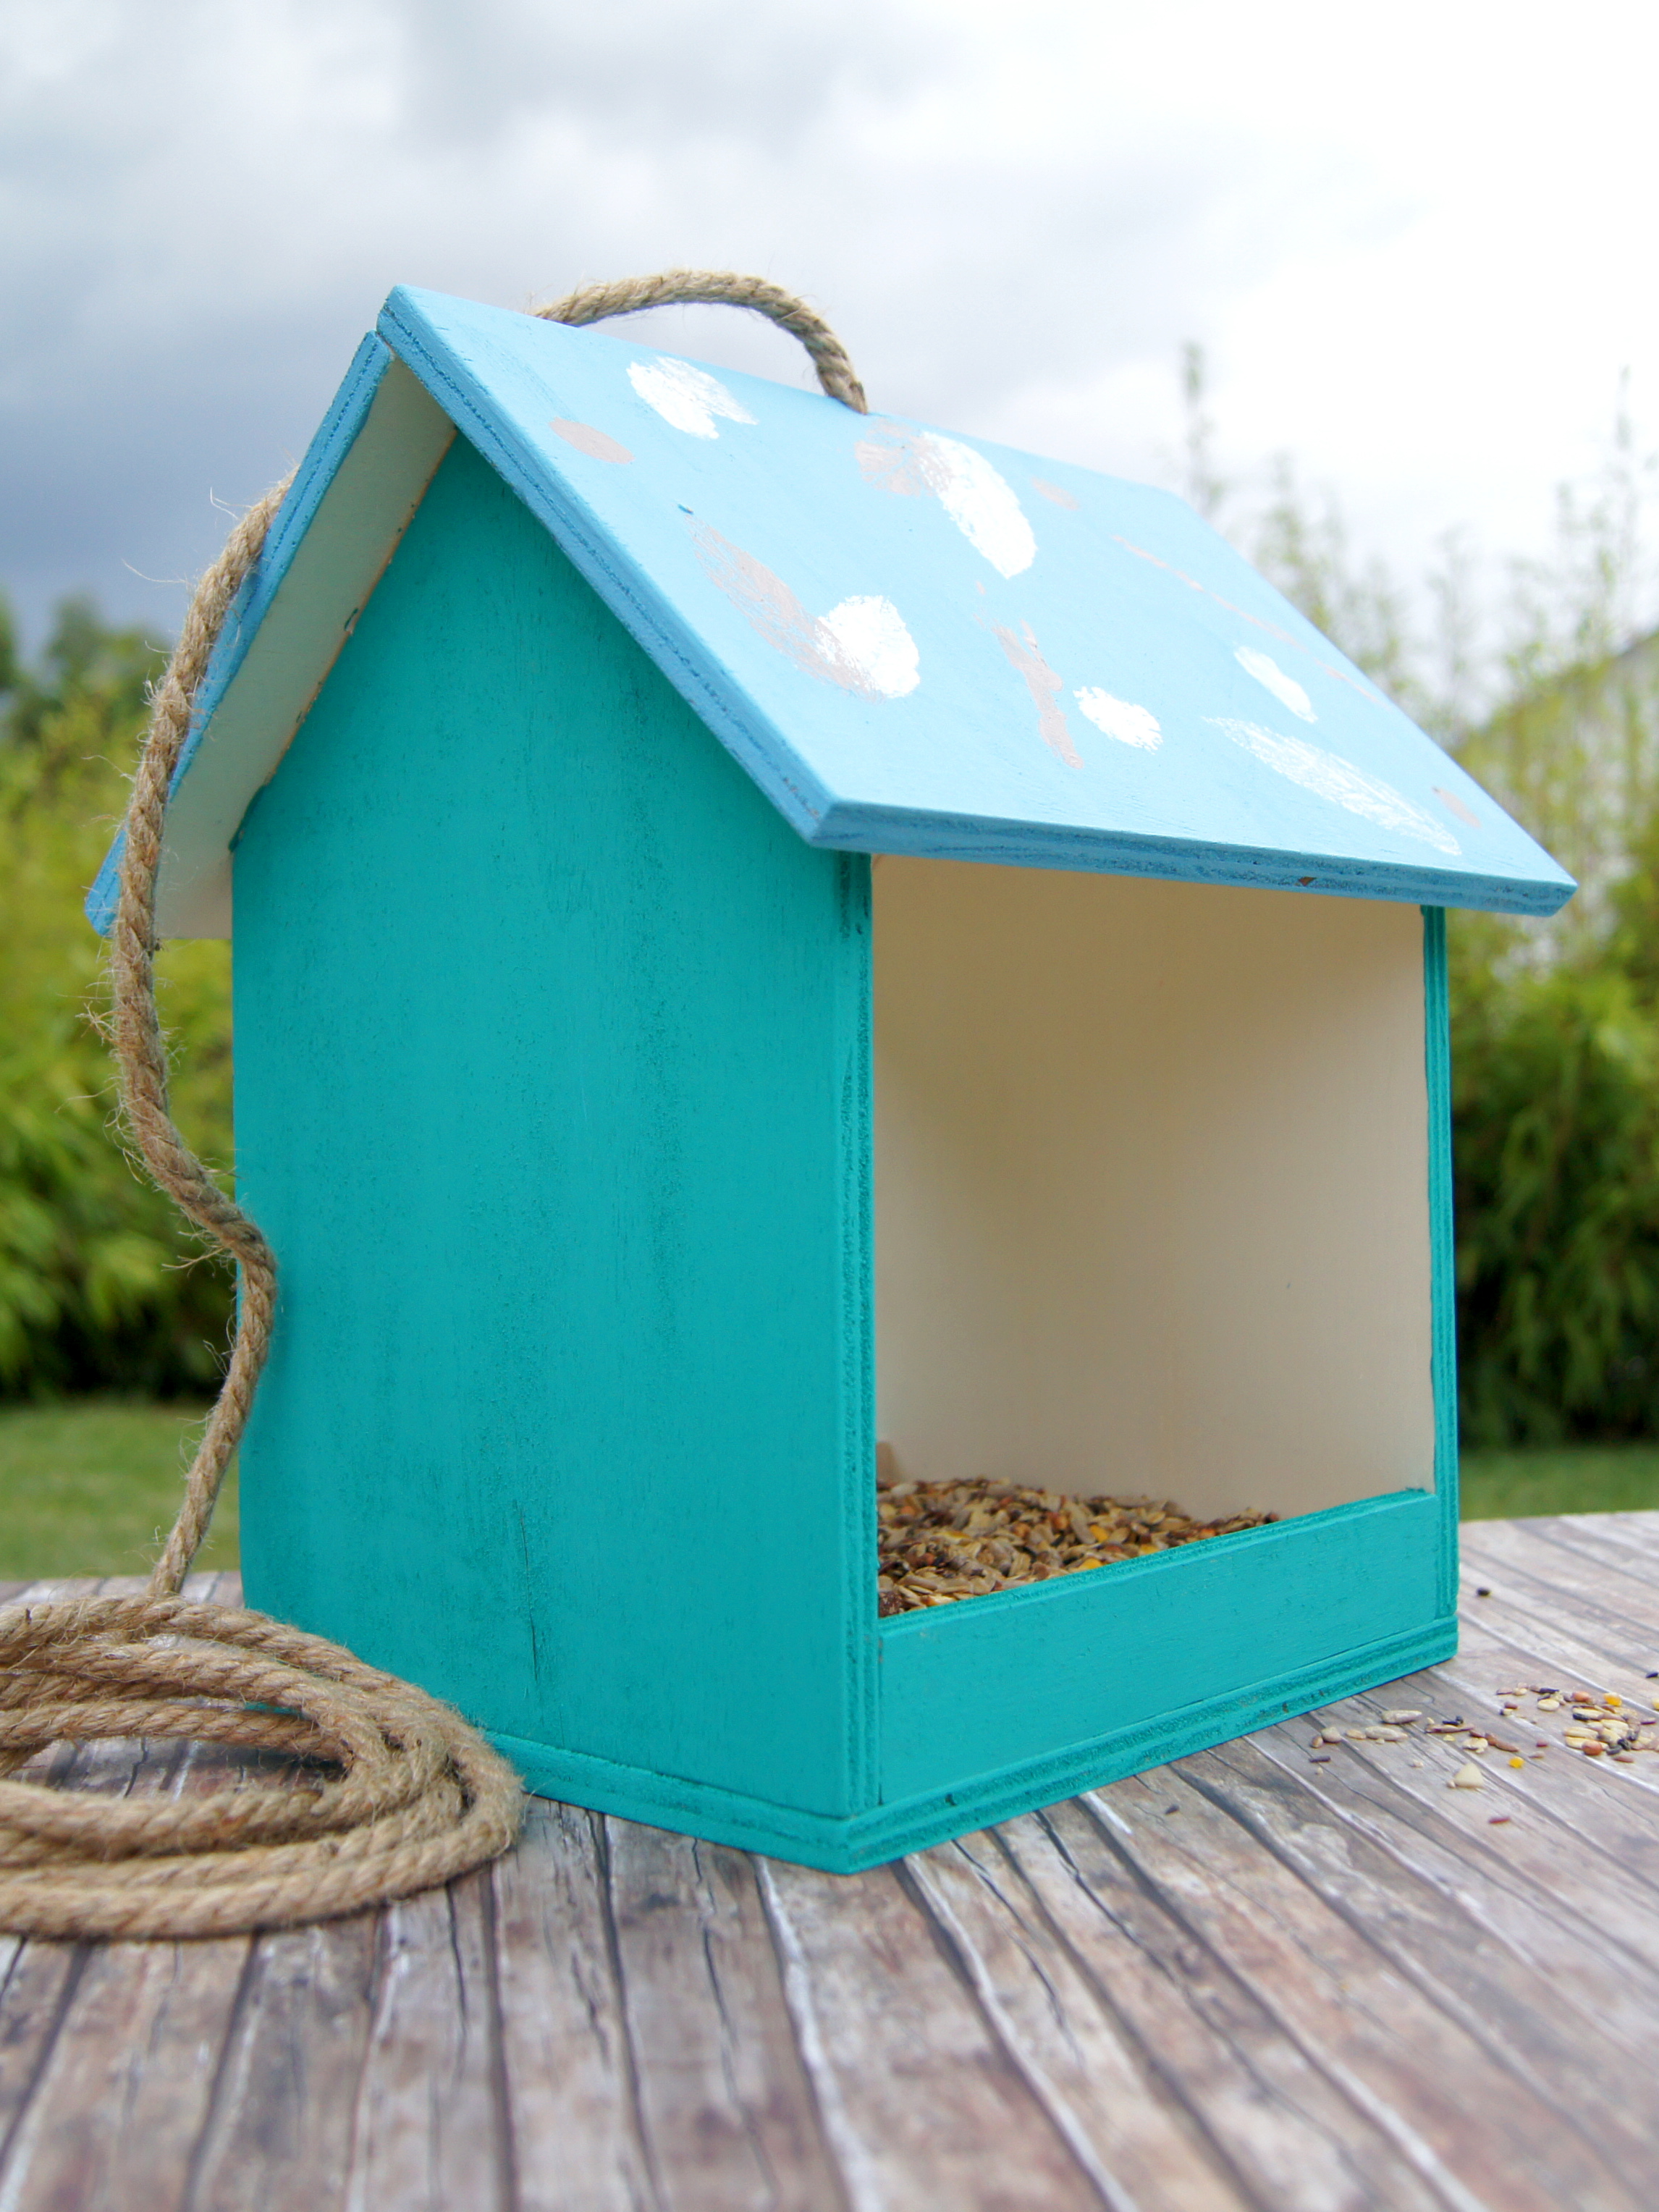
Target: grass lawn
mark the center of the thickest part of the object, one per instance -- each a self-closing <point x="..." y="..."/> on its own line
<point x="90" y="1486"/>
<point x="1508" y="1486"/>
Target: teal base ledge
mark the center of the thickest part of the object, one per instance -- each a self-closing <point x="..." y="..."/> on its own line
<point x="848" y="1844"/>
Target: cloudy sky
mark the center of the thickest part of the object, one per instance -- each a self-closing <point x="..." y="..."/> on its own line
<point x="1417" y="243"/>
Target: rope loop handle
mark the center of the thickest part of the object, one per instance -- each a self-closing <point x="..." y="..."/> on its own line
<point x="675" y="287"/>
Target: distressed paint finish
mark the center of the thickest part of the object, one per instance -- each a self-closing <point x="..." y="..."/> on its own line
<point x="552" y="1089"/>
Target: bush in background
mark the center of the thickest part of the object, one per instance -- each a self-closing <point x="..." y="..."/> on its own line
<point x="103" y="1286"/>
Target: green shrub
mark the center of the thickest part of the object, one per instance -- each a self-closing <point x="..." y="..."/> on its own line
<point x="1556" y="1153"/>
<point x="101" y="1285"/>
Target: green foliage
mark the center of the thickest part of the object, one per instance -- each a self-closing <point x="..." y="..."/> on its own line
<point x="1556" y="1127"/>
<point x="101" y="1285"/>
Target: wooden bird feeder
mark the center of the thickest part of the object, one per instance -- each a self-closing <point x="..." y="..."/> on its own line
<point x="761" y="930"/>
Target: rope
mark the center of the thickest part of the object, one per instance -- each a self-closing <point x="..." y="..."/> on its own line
<point x="593" y="303"/>
<point x="395" y="1793"/>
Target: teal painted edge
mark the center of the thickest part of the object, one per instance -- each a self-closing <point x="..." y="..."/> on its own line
<point x="335" y="436"/>
<point x="1061" y="1589"/>
<point x="1442" y="1243"/>
<point x="860" y="828"/>
<point x="858" y="1338"/>
<point x="868" y="1839"/>
<point x="764" y="750"/>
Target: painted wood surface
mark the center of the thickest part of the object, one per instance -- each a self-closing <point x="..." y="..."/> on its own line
<point x="919" y="643"/>
<point x="1243" y="1983"/>
<point x="602" y="1340"/>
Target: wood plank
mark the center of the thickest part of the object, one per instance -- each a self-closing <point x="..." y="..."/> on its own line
<point x="571" y="2092"/>
<point x="1630" y="1539"/>
<point x="1568" y="1915"/>
<point x="1137" y="2141"/>
<point x="286" y="2096"/>
<point x="119" y="2099"/>
<point x="1599" y="1588"/>
<point x="1291" y="2136"/>
<point x="119" y="2107"/>
<point x="1452" y="2108"/>
<point x="37" y="1982"/>
<point x="1589" y="1836"/>
<point x="1575" y="1647"/>
<point x="1562" y="2051"/>
<point x="729" y="2121"/>
<point x="430" y="2131"/>
<point x="921" y="2102"/>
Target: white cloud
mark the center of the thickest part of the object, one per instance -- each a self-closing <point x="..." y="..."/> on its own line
<point x="1423" y="282"/>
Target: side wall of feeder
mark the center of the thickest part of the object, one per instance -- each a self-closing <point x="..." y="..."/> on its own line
<point x="552" y="1062"/>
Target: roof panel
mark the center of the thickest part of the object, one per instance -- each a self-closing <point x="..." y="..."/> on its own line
<point x="923" y="643"/>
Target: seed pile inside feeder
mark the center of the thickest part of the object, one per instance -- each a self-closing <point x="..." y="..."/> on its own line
<point x="943" y="1541"/>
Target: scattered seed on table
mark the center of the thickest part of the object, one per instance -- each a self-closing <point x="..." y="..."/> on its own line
<point x="1518" y="1762"/>
<point x="1483" y="1592"/>
<point x="1498" y="1820"/>
<point x="1319" y="1758"/>
<point x="1402" y="1716"/>
<point x="1468" y="1777"/>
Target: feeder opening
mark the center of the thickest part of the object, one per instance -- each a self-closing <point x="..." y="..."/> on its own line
<point x="1152" y="1175"/>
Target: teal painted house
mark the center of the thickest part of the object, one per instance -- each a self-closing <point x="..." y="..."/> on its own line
<point x="760" y="930"/>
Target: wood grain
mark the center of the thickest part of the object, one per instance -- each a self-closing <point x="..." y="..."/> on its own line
<point x="1244" y="1982"/>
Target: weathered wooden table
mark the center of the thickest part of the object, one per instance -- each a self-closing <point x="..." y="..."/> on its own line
<point x="1246" y="1980"/>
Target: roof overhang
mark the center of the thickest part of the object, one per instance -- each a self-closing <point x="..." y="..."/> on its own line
<point x="1019" y="662"/>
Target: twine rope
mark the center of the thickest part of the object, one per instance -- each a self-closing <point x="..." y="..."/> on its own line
<point x="674" y="287"/>
<point x="395" y="1793"/>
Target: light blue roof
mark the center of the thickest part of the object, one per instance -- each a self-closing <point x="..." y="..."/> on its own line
<point x="920" y="643"/>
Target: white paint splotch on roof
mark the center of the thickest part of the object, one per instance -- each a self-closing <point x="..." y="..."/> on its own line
<point x="978" y="499"/>
<point x="1329" y="776"/>
<point x="1120" y="719"/>
<point x="861" y="644"/>
<point x="1045" y="685"/>
<point x="686" y="397"/>
<point x="1285" y="688"/>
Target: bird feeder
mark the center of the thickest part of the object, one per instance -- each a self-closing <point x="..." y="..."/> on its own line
<point x="762" y="933"/>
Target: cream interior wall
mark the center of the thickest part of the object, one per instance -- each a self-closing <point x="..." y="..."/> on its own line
<point x="1151" y="1174"/>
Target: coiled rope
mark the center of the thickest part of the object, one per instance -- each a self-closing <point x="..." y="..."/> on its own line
<point x="395" y="1793"/>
